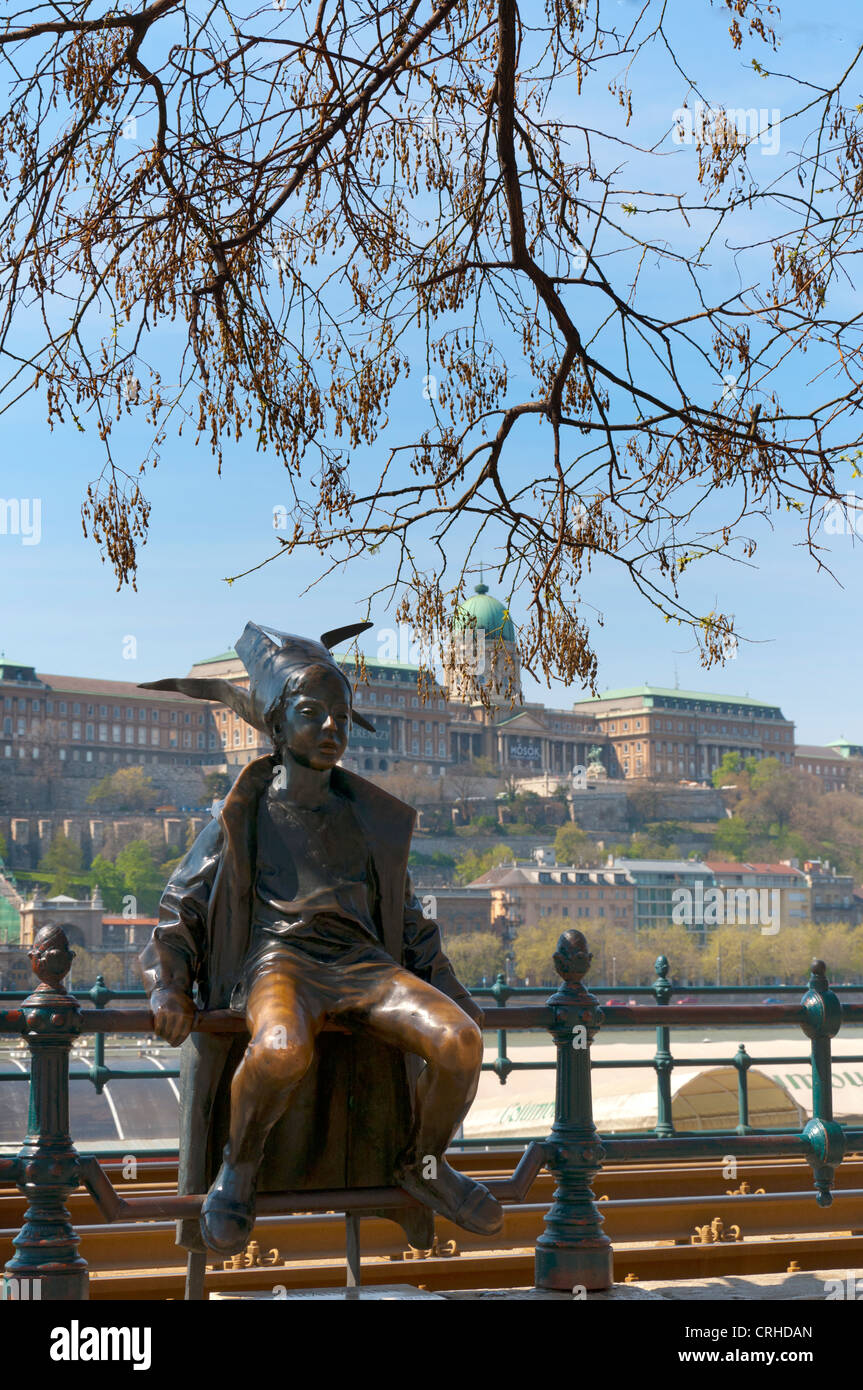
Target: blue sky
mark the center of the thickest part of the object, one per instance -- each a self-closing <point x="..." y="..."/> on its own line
<point x="61" y="611"/>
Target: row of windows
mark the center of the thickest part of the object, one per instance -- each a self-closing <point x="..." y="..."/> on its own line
<point x="117" y="734"/>
<point x="702" y="707"/>
<point x="155" y="740"/>
<point x="579" y="912"/>
<point x="85" y="755"/>
<point x="563" y="877"/>
<point x="369" y="697"/>
<point x="776" y="735"/>
<point x="592" y="892"/>
<point x="89" y="711"/>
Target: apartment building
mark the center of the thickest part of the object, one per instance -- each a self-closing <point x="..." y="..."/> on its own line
<point x="785" y="879"/>
<point x="654" y="883"/>
<point x="832" y="896"/>
<point x="525" y="895"/>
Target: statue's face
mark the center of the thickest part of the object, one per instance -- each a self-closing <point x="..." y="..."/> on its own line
<point x="316" y="720"/>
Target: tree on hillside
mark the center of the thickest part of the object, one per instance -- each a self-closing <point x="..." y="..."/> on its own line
<point x="415" y="788"/>
<point x="642" y="804"/>
<point x="775" y="793"/>
<point x="110" y="880"/>
<point x="127" y="789"/>
<point x="572" y="845"/>
<point x="463" y="782"/>
<point x="648" y="847"/>
<point x="419" y="860"/>
<point x="142" y="879"/>
<point x="61" y="860"/>
<point x="734" y="771"/>
<point x="472" y="864"/>
<point x="320" y="200"/>
<point x="830" y="826"/>
<point x="732" y="839"/>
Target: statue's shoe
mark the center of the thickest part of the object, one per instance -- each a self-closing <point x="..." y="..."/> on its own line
<point x="227" y="1217"/>
<point x="454" y="1195"/>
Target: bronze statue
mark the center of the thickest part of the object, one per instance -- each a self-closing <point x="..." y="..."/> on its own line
<point x="295" y="905"/>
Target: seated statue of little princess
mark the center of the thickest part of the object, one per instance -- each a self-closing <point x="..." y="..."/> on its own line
<point x="295" y="905"/>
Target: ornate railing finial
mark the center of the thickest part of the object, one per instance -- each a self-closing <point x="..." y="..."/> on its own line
<point x="572" y="958"/>
<point x="818" y="976"/>
<point x="51" y="957"/>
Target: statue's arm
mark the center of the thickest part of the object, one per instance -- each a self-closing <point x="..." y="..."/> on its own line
<point x="425" y="956"/>
<point x="172" y="956"/>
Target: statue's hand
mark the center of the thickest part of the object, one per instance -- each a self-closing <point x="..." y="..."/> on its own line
<point x="173" y="1015"/>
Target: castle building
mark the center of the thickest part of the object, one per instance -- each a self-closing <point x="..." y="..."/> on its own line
<point x="54" y="721"/>
<point x="432" y="732"/>
<point x="683" y="734"/>
<point x="69" y="727"/>
<point x="837" y="765"/>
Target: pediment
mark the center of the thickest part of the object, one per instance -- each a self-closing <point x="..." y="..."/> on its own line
<point x="525" y="722"/>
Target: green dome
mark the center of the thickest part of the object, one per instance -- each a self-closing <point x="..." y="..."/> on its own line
<point x="481" y="610"/>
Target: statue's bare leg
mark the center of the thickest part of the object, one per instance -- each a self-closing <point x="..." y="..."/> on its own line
<point x="417" y="1018"/>
<point x="400" y="1010"/>
<point x="280" y="1052"/>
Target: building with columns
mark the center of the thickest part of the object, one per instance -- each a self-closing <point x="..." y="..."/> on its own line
<point x="62" y="727"/>
<point x="58" y="722"/>
<point x="682" y="734"/>
<point x="434" y="732"/>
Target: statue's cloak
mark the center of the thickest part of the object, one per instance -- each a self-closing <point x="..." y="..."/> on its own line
<point x="352" y="1112"/>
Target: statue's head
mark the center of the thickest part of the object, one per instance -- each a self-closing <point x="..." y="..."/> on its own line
<point x="312" y="719"/>
<point x="297" y="693"/>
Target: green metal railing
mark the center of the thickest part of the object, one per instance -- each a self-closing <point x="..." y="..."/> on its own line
<point x="662" y="1063"/>
<point x="572" y="1251"/>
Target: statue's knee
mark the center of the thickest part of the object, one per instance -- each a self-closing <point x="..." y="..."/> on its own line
<point x="460" y="1047"/>
<point x="278" y="1055"/>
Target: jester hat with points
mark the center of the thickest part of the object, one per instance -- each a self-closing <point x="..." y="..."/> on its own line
<point x="272" y="659"/>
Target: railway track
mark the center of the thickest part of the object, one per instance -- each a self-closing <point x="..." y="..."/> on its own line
<point x="499" y="1269"/>
<point x="652" y="1213"/>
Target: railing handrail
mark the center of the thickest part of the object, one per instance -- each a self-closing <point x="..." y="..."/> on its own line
<point x="525" y="1017"/>
<point x="510" y="991"/>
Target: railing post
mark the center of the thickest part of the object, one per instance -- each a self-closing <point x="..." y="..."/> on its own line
<point x="47" y="1264"/>
<point x="663" y="1060"/>
<point x="502" y="1064"/>
<point x="99" y="1073"/>
<point x="824" y="1137"/>
<point x="573" y="1251"/>
<point x="742" y="1062"/>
